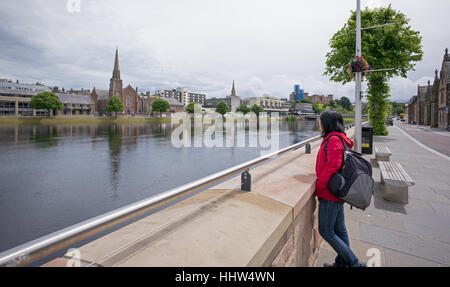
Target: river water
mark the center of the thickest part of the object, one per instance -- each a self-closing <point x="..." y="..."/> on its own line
<point x="52" y="177"/>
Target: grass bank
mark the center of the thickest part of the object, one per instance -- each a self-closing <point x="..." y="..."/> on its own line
<point x="349" y="120"/>
<point x="77" y="120"/>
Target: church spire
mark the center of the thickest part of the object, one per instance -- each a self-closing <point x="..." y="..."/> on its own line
<point x="115" y="85"/>
<point x="116" y="71"/>
<point x="233" y="91"/>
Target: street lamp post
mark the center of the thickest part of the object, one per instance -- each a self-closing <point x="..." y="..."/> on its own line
<point x="358" y="75"/>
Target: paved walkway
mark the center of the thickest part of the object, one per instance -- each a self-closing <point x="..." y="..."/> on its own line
<point x="416" y="234"/>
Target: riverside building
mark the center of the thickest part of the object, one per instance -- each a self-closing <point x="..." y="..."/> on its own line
<point x="431" y="104"/>
<point x="183" y="96"/>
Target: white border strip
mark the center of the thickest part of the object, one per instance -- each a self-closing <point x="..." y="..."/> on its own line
<point x="422" y="145"/>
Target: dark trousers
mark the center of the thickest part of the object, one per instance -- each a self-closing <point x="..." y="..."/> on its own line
<point x="332" y="229"/>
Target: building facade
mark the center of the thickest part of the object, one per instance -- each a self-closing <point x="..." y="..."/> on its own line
<point x="266" y="101"/>
<point x="269" y="104"/>
<point x="421" y="101"/>
<point x="16" y="102"/>
<point x="430" y="106"/>
<point x="299" y="94"/>
<point x="412" y="110"/>
<point x="444" y="93"/>
<point x="183" y="96"/>
<point x="319" y="99"/>
<point x="304" y="108"/>
<point x="9" y="84"/>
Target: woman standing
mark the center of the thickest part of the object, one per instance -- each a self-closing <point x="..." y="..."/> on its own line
<point x="331" y="209"/>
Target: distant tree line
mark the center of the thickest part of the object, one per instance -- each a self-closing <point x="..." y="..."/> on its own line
<point x="342" y="105"/>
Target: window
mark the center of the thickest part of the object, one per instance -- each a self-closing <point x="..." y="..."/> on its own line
<point x="129" y="101"/>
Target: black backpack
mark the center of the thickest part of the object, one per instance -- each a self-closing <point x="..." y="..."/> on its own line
<point x="354" y="184"/>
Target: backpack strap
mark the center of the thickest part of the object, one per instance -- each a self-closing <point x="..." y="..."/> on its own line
<point x="326" y="145"/>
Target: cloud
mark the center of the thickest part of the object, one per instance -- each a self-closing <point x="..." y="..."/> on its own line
<point x="371" y="4"/>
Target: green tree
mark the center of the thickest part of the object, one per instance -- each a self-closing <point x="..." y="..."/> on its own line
<point x="160" y="105"/>
<point x="318" y="108"/>
<point x="333" y="104"/>
<point x="398" y="109"/>
<point x="222" y="108"/>
<point x="192" y="107"/>
<point x="243" y="109"/>
<point x="396" y="47"/>
<point x="257" y="109"/>
<point x="306" y="101"/>
<point x="46" y="101"/>
<point x="345" y="103"/>
<point x="114" y="105"/>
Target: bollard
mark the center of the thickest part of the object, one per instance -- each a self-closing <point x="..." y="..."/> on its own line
<point x="246" y="181"/>
<point x="308" y="148"/>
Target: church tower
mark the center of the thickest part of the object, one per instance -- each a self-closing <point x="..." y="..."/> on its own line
<point x="235" y="100"/>
<point x="233" y="91"/>
<point x="115" y="86"/>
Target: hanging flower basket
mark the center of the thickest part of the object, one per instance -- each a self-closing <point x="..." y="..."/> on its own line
<point x="357" y="65"/>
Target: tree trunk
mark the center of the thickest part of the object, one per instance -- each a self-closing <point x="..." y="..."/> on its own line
<point x="378" y="103"/>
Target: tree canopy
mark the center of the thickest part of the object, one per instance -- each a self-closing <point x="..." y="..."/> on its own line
<point x="114" y="105"/>
<point x="345" y="103"/>
<point x="243" y="109"/>
<point x="222" y="108"/>
<point x="398" y="108"/>
<point x="257" y="109"/>
<point x="396" y="47"/>
<point x="306" y="101"/>
<point x="192" y="107"/>
<point x="46" y="101"/>
<point x="160" y="105"/>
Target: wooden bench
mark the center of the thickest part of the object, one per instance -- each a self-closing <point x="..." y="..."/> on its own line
<point x="382" y="153"/>
<point x="396" y="181"/>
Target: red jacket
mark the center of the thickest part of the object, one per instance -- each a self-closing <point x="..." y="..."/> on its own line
<point x="325" y="170"/>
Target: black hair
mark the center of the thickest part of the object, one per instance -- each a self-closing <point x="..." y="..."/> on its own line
<point x="331" y="121"/>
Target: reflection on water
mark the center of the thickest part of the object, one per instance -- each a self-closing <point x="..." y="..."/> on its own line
<point x="54" y="176"/>
<point x="114" y="141"/>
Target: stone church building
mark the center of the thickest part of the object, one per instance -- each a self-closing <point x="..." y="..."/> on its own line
<point x="133" y="103"/>
<point x="430" y="106"/>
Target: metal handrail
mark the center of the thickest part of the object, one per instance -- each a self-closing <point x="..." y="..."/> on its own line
<point x="32" y="251"/>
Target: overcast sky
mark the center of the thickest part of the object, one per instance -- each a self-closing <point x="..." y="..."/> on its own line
<point x="266" y="46"/>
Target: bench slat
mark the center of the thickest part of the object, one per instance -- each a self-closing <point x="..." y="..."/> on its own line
<point x="405" y="174"/>
<point x="394" y="173"/>
<point x="382" y="151"/>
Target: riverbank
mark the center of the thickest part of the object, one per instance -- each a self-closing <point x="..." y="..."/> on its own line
<point x="77" y="120"/>
<point x="89" y="120"/>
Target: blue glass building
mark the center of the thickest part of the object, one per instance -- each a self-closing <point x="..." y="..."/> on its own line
<point x="299" y="94"/>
